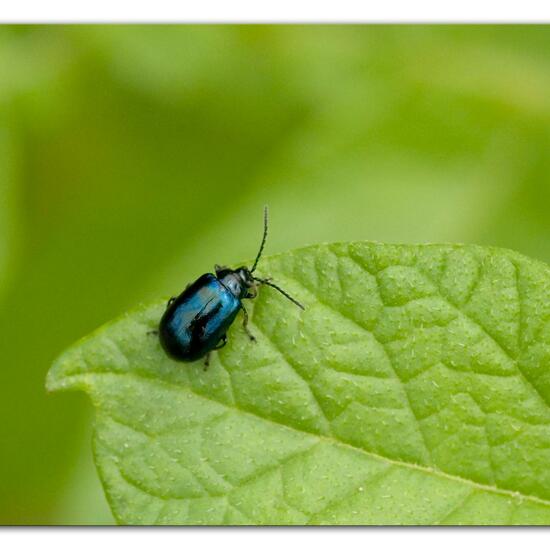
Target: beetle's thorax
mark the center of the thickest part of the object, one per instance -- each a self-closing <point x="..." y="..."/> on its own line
<point x="237" y="281"/>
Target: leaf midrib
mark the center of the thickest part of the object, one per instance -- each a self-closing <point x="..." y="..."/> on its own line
<point x="330" y="440"/>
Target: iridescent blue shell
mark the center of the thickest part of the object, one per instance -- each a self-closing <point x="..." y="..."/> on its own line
<point x="195" y="322"/>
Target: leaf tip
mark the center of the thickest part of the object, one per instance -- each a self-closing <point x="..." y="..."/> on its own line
<point x="59" y="377"/>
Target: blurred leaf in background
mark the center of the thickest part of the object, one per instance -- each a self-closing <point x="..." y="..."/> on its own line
<point x="132" y="158"/>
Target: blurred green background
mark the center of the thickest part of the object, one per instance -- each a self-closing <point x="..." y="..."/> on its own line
<point x="133" y="158"/>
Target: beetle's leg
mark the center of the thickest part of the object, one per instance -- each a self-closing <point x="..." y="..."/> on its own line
<point x="218" y="268"/>
<point x="223" y="342"/>
<point x="252" y="293"/>
<point x="153" y="331"/>
<point x="245" y="324"/>
<point x="207" y="360"/>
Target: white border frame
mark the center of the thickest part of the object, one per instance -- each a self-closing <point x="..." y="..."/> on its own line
<point x="278" y="11"/>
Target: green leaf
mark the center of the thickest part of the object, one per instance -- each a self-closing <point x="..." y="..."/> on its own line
<point x="414" y="389"/>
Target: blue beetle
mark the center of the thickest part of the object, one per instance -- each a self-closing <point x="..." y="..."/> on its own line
<point x="196" y="322"/>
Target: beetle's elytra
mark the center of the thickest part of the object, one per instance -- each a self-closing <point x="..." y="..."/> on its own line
<point x="196" y="322"/>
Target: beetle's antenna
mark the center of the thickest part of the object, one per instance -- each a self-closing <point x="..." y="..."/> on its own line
<point x="268" y="283"/>
<point x="263" y="241"/>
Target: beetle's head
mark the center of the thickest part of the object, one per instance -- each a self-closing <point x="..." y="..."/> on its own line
<point x="239" y="281"/>
<point x="246" y="276"/>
